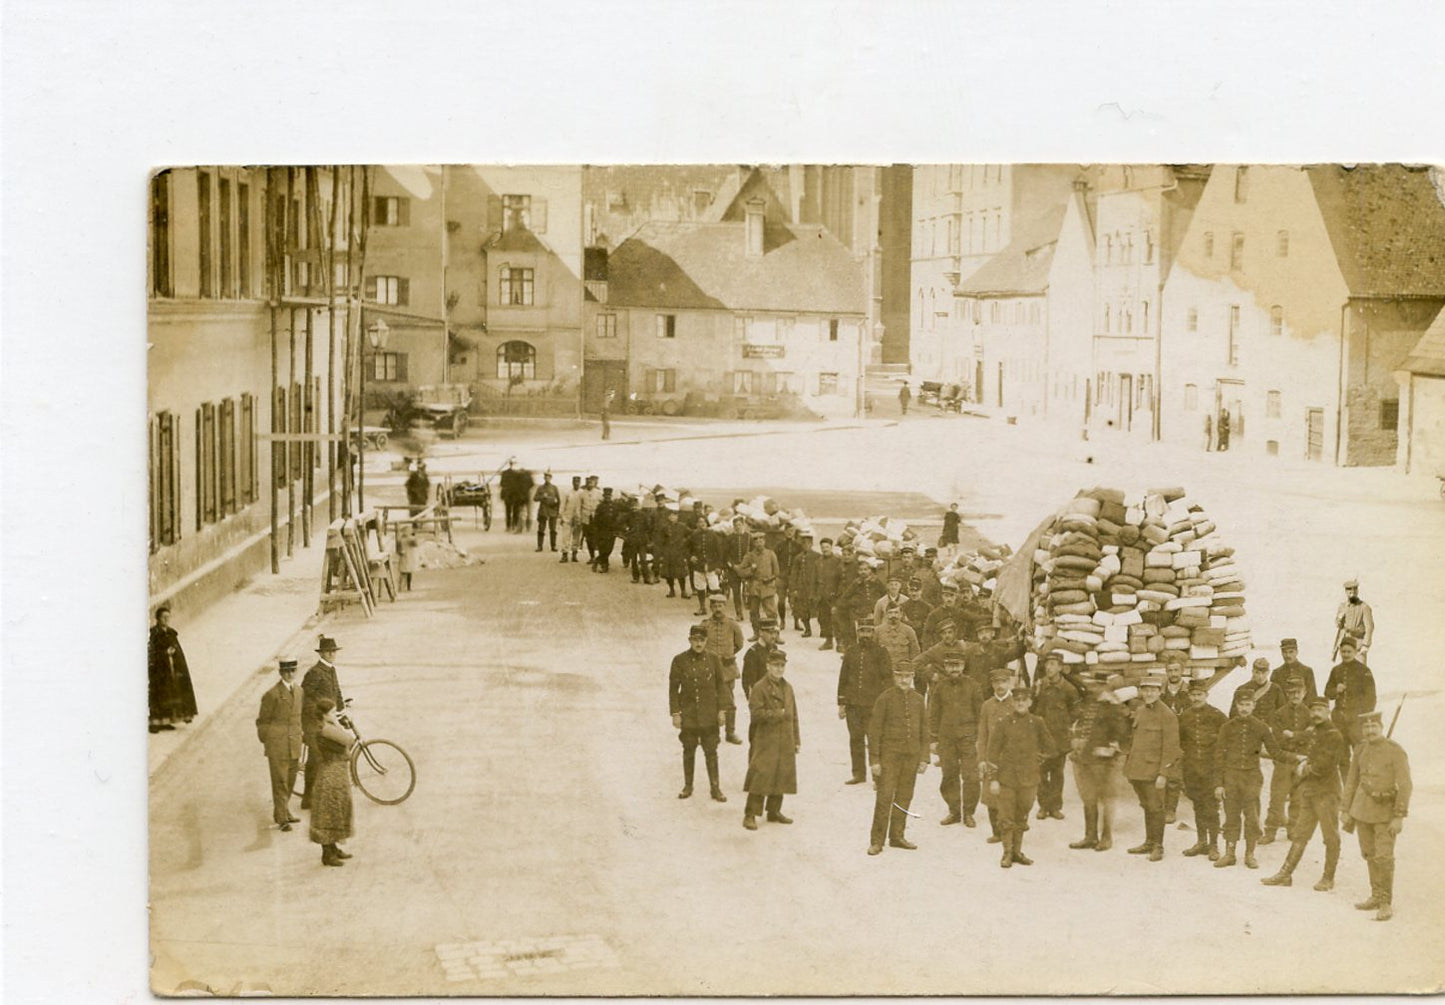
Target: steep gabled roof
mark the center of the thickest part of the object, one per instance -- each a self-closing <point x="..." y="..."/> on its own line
<point x="1022" y="268"/>
<point x="1387" y="225"/>
<point x="705" y="266"/>
<point x="1428" y="356"/>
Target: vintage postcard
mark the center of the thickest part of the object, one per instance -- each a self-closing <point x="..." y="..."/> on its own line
<point x="806" y="579"/>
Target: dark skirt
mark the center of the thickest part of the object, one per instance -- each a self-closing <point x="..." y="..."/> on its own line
<point x="331" y="801"/>
<point x="172" y="698"/>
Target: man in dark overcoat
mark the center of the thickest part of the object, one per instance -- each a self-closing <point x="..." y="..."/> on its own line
<point x="278" y="727"/>
<point x="773" y="753"/>
<point x="320" y="682"/>
<point x="698" y="698"/>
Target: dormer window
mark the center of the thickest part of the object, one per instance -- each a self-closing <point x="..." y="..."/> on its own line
<point x="754" y="228"/>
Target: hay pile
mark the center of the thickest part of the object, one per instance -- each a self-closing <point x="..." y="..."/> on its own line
<point x="1120" y="579"/>
<point x="443" y="555"/>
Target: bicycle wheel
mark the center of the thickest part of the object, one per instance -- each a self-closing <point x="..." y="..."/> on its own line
<point x="298" y="787"/>
<point x="383" y="771"/>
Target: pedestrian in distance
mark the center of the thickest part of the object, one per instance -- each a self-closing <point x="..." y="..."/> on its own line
<point x="1238" y="780"/>
<point x="406" y="554"/>
<point x="1017" y="746"/>
<point x="172" y="698"/>
<point x="1318" y="797"/>
<point x="698" y="698"/>
<point x="774" y="744"/>
<point x="331" y="809"/>
<point x="278" y="727"/>
<point x="549" y="508"/>
<point x="1199" y="727"/>
<point x="606" y="413"/>
<point x="1376" y="801"/>
<point x="954" y="702"/>
<point x="898" y="745"/>
<point x="1154" y="755"/>
<point x="951" y="523"/>
<point x="418" y="488"/>
<point x="905" y="395"/>
<point x="864" y="673"/>
<point x="320" y="683"/>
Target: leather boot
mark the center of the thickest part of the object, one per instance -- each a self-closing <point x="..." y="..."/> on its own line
<point x="1374" y="900"/>
<point x="1091" y="829"/>
<point x="1018" y="850"/>
<point x="328" y="855"/>
<point x="1197" y="848"/>
<point x="1214" y="843"/>
<point x="1268" y="836"/>
<point x="1249" y="859"/>
<point x="688" y="766"/>
<point x="713" y="787"/>
<point x="1327" y="881"/>
<point x="1286" y="869"/>
<point x="1227" y="859"/>
<point x="1387" y="891"/>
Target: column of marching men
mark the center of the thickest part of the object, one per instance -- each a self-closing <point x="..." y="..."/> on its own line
<point x="931" y="674"/>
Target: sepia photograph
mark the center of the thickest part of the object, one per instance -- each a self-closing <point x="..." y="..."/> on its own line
<point x="675" y="579"/>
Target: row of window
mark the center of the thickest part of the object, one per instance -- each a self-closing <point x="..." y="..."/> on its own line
<point x="967" y="177"/>
<point x="225" y="440"/>
<point x="1120" y="320"/>
<point x="516" y="287"/>
<point x="971" y="233"/>
<point x="1119" y="247"/>
<point x="223" y="241"/>
<point x="745" y="329"/>
<point x="1236" y="247"/>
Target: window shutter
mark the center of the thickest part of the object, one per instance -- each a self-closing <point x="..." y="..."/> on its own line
<point x="403" y="212"/>
<point x="401" y="366"/>
<point x="539" y="216"/>
<point x="402" y="292"/>
<point x="494" y="215"/>
<point x="371" y="288"/>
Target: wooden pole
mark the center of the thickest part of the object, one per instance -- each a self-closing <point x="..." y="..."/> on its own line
<point x="348" y="345"/>
<point x="273" y="264"/>
<point x="360" y="344"/>
<point x="309" y="424"/>
<point x="291" y="381"/>
<point x="331" y="342"/>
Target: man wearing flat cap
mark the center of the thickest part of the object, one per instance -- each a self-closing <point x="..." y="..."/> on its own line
<point x="775" y="743"/>
<point x="755" y="660"/>
<point x="321" y="681"/>
<point x="1154" y="758"/>
<point x="1292" y="667"/>
<point x="1199" y="727"/>
<point x="1317" y="797"/>
<point x="803" y="582"/>
<point x="698" y="698"/>
<point x="1376" y="802"/>
<point x="1291" y="725"/>
<point x="1351" y="686"/>
<point x="278" y="727"/>
<point x="898" y="744"/>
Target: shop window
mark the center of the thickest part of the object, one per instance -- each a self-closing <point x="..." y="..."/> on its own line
<point x="516" y="362"/>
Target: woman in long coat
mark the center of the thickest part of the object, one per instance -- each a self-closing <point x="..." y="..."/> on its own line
<point x="331" y="800"/>
<point x="172" y="699"/>
<point x="775" y="742"/>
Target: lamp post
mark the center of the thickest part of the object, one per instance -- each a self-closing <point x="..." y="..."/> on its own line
<point x="376" y="334"/>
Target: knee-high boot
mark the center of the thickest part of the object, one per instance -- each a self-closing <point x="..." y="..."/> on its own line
<point x="1286" y="869"/>
<point x="1332" y="859"/>
<point x="712" y="776"/>
<point x="689" y="763"/>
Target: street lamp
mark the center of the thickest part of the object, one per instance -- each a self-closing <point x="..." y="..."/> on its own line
<point x="376" y="334"/>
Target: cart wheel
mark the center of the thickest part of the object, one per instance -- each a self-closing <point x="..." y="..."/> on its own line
<point x="380" y="440"/>
<point x="671" y="407"/>
<point x="630" y="407"/>
<point x="749" y="414"/>
<point x="648" y="408"/>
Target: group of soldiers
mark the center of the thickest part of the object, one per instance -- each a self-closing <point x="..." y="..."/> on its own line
<point x="924" y="679"/>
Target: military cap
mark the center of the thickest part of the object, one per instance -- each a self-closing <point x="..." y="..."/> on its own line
<point x="1352" y="584"/>
<point x="894" y="577"/>
<point x="953" y="659"/>
<point x="1376" y="717"/>
<point x="697" y="631"/>
<point x="903" y="668"/>
<point x="930" y="552"/>
<point x="1172" y="656"/>
<point x="1349" y="641"/>
<point x="949" y="586"/>
<point x="915" y="581"/>
<point x="1114" y="682"/>
<point x="1002" y="673"/>
<point x="1260" y="663"/>
<point x="987" y="626"/>
<point x="1053" y="656"/>
<point x="768" y="624"/>
<point x="286" y="664"/>
<point x="717" y="598"/>
<point x="1199" y="686"/>
<point x="1288" y="644"/>
<point x="1294" y="682"/>
<point x="1153" y="680"/>
<point x="907" y="546"/>
<point x="1245" y="693"/>
<point x="777" y="656"/>
<point x="1319" y="701"/>
<point x="894" y="609"/>
<point x="865" y="624"/>
<point x="806" y="534"/>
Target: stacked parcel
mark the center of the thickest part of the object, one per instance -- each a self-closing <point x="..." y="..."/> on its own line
<point x="1121" y="579"/>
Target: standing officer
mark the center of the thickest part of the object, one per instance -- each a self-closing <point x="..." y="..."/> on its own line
<point x="320" y="682"/>
<point x="699" y="699"/>
<point x="774" y="743"/>
<point x="954" y="702"/>
<point x="1100" y="733"/>
<point x="1199" y="727"/>
<point x="674" y="552"/>
<point x="1290" y="725"/>
<point x="1354" y="620"/>
<point x="755" y="660"/>
<point x="825" y="591"/>
<point x="1352" y="686"/>
<point x="1238" y="780"/>
<point x="803" y="583"/>
<point x="916" y="609"/>
<point x="738" y="544"/>
<point x="1289" y="649"/>
<point x="1154" y="756"/>
<point x="1268" y="699"/>
<point x="549" y="507"/>
<point x="639" y="539"/>
<point x="1318" y="797"/>
<point x="1176" y="699"/>
<point x="864" y="673"/>
<point x="1056" y="703"/>
<point x="902" y="644"/>
<point x="278" y="727"/>
<point x="898" y="750"/>
<point x="945" y="613"/>
<point x="725" y="641"/>
<point x="990" y="713"/>
<point x="605" y="525"/>
<point x="760" y="569"/>
<point x="1016" y="746"/>
<point x="842" y="616"/>
<point x="572" y="521"/>
<point x="1377" y="798"/>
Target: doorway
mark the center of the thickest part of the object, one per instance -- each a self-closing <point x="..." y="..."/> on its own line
<point x="1314" y="434"/>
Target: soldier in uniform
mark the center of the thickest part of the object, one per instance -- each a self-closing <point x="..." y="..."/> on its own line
<point x="755" y="660"/>
<point x="1377" y="799"/>
<point x="639" y="540"/>
<point x="674" y="553"/>
<point x="803" y="583"/>
<point x="725" y="641"/>
<point x="604" y="531"/>
<point x="987" y="654"/>
<point x="738" y="543"/>
<point x="898" y="751"/>
<point x="930" y="662"/>
<point x="892" y="597"/>
<point x="1154" y="756"/>
<point x="825" y="590"/>
<point x="1056" y="701"/>
<point x="1289" y="649"/>
<point x="571" y="521"/>
<point x="774" y="744"/>
<point x="1016" y="745"/>
<point x="1352" y="687"/>
<point x="1199" y="726"/>
<point x="1237" y="778"/>
<point x="1268" y="699"/>
<point x="848" y="574"/>
<point x="698" y="697"/>
<point x="864" y="673"/>
<point x="1354" y="620"/>
<point x="990" y="712"/>
<point x="1318" y="797"/>
<point x="954" y="702"/>
<point x="972" y="614"/>
<point x="1176" y="699"/>
<point x="761" y="570"/>
<point x="860" y="599"/>
<point x="902" y="644"/>
<point x="1100" y="733"/>
<point x="916" y="609"/>
<point x="1291" y="725"/>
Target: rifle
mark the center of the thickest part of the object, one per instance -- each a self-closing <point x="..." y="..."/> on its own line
<point x="1396" y="717"/>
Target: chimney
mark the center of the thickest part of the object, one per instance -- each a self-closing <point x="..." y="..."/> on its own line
<point x="754" y="228"/>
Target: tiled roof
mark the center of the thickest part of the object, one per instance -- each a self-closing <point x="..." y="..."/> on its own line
<point x="1387" y="225"/>
<point x="704" y="265"/>
<point x="1023" y="266"/>
<point x="1428" y="356"/>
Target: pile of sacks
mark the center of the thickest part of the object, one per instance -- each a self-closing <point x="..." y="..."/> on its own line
<point x="443" y="555"/>
<point x="877" y="538"/>
<point x="1120" y="579"/>
<point x="978" y="569"/>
